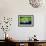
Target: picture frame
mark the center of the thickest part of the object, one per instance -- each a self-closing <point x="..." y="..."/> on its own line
<point x="25" y="20"/>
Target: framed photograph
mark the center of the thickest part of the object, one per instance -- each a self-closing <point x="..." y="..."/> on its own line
<point x="25" y="20"/>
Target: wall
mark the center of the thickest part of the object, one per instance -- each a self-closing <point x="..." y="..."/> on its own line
<point x="13" y="8"/>
<point x="45" y="29"/>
